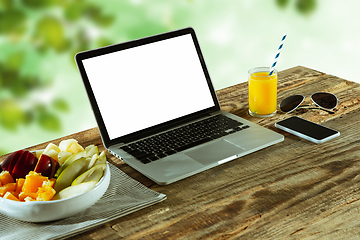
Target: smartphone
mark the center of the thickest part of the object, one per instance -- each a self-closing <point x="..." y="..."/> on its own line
<point x="307" y="130"/>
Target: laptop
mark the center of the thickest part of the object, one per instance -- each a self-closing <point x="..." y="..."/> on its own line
<point x="157" y="110"/>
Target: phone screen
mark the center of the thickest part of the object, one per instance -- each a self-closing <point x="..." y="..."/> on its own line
<point x="307" y="129"/>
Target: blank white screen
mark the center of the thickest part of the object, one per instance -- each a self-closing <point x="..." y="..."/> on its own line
<point x="147" y="85"/>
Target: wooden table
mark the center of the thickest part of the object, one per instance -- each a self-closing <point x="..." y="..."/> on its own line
<point x="293" y="190"/>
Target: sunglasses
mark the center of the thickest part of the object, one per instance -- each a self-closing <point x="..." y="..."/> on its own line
<point x="323" y="100"/>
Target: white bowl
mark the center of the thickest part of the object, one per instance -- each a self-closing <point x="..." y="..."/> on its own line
<point x="43" y="211"/>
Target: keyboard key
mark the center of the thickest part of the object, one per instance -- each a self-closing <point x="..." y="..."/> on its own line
<point x="153" y="158"/>
<point x="170" y="152"/>
<point x="145" y="161"/>
<point x="145" y="155"/>
<point x="136" y="153"/>
<point x="161" y="155"/>
<point x="126" y="148"/>
<point x="238" y="129"/>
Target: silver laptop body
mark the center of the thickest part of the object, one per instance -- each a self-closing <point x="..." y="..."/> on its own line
<point x="151" y="87"/>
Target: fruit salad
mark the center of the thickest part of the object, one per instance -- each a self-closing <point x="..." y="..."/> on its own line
<point x="56" y="172"/>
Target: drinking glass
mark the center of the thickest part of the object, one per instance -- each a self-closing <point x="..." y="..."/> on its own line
<point x="262" y="92"/>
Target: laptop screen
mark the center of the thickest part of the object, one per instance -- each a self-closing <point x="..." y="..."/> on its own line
<point x="147" y="85"/>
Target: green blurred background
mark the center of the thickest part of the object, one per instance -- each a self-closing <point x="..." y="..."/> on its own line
<point x="41" y="92"/>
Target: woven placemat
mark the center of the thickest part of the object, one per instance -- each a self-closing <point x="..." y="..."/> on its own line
<point x="123" y="196"/>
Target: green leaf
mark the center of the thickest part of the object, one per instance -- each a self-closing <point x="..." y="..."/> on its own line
<point x="50" y="32"/>
<point x="1" y="80"/>
<point x="28" y="117"/>
<point x="305" y="6"/>
<point x="102" y="42"/>
<point x="38" y="3"/>
<point x="12" y="21"/>
<point x="18" y="88"/>
<point x="15" y="61"/>
<point x="11" y="114"/>
<point x="6" y="4"/>
<point x="16" y="84"/>
<point x="32" y="82"/>
<point x="95" y="14"/>
<point x="282" y="3"/>
<point x="61" y="105"/>
<point x="74" y="10"/>
<point x="49" y="121"/>
<point x="39" y="107"/>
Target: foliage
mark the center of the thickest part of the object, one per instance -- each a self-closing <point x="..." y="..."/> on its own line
<point x="302" y="6"/>
<point x="33" y="28"/>
<point x="30" y="30"/>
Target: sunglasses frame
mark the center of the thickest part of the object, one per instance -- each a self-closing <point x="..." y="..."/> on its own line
<point x="313" y="101"/>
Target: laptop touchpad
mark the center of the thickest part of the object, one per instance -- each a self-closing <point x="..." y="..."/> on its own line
<point x="214" y="152"/>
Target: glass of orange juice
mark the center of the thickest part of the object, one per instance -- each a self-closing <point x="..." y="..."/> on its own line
<point x="262" y="92"/>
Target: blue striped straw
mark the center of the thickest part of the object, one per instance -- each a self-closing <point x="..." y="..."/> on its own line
<point x="277" y="55"/>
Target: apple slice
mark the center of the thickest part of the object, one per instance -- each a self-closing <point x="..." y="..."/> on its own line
<point x="52" y="153"/>
<point x="65" y="144"/>
<point x="20" y="164"/>
<point x="25" y="164"/>
<point x="54" y="167"/>
<point x="62" y="156"/>
<point x="93" y="174"/>
<point x="75" y="148"/>
<point x="68" y="161"/>
<point x="39" y="152"/>
<point x="44" y="166"/>
<point x="101" y="159"/>
<point x="93" y="160"/>
<point x="5" y="165"/>
<point x="31" y="162"/>
<point x="68" y="175"/>
<point x="72" y="191"/>
<point x="53" y="147"/>
<point x="52" y="150"/>
<point x="91" y="150"/>
<point x="10" y="161"/>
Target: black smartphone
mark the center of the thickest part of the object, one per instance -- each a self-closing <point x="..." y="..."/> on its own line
<point x="307" y="130"/>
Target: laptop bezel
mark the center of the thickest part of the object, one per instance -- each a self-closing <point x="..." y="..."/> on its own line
<point x="79" y="57"/>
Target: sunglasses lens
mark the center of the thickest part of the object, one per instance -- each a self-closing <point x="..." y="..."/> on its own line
<point x="290" y="103"/>
<point x="325" y="100"/>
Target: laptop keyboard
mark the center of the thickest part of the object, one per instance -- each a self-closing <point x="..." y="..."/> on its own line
<point x="179" y="139"/>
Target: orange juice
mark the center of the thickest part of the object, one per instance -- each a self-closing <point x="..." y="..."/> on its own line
<point x="262" y="92"/>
